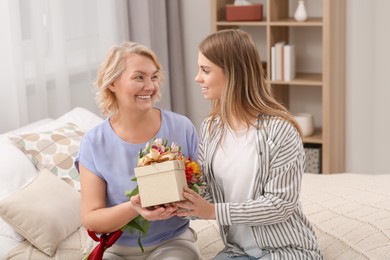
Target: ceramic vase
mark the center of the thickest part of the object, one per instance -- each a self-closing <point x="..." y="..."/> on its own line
<point x="301" y="13"/>
<point x="306" y="122"/>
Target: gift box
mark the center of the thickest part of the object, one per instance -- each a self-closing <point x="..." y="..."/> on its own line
<point x="161" y="183"/>
<point x="244" y="12"/>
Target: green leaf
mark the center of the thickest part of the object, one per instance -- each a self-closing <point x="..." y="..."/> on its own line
<point x="140" y="244"/>
<point x="140" y="224"/>
<point x="134" y="225"/>
<point x="145" y="226"/>
<point x="132" y="193"/>
<point x="195" y="188"/>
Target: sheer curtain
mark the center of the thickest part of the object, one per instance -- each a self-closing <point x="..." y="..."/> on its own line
<point x="157" y="24"/>
<point x="51" y="52"/>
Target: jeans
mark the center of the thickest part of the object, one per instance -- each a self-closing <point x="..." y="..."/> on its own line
<point x="182" y="247"/>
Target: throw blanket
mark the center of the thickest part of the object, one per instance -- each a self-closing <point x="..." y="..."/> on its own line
<point x="71" y="248"/>
<point x="350" y="213"/>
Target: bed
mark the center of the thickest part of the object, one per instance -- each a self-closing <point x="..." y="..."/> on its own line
<point x="40" y="201"/>
<point x="350" y="214"/>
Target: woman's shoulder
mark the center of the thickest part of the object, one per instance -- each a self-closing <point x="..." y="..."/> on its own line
<point x="275" y="122"/>
<point x="278" y="128"/>
<point x="99" y="130"/>
<point x="215" y="120"/>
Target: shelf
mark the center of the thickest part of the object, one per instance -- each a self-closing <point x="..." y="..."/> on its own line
<point x="313" y="21"/>
<point x="315" y="138"/>
<point x="243" y="23"/>
<point x="320" y="48"/>
<point x="302" y="79"/>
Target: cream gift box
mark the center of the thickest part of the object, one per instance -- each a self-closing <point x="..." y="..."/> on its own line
<point x="161" y="183"/>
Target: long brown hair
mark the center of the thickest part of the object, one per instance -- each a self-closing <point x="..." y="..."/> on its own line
<point x="246" y="96"/>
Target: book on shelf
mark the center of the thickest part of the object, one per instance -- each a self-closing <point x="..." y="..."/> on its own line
<point x="288" y="62"/>
<point x="282" y="61"/>
<point x="279" y="60"/>
<point x="273" y="63"/>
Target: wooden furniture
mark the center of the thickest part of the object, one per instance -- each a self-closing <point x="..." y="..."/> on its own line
<point x="325" y="81"/>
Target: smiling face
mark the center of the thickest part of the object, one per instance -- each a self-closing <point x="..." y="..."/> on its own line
<point x="210" y="77"/>
<point x="138" y="84"/>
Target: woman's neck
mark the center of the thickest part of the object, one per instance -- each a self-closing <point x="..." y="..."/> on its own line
<point x="239" y="125"/>
<point x="136" y="128"/>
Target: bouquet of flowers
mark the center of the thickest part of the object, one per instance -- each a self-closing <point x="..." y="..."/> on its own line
<point x="156" y="152"/>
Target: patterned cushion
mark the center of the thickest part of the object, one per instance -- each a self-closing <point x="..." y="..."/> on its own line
<point x="54" y="150"/>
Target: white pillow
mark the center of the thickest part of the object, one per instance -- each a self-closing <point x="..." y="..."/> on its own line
<point x="45" y="212"/>
<point x="15" y="169"/>
<point x="78" y="116"/>
<point x="55" y="150"/>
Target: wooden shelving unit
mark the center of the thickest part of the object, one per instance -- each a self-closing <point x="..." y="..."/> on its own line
<point x="329" y="81"/>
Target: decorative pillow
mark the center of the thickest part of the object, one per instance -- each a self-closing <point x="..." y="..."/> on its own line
<point x="16" y="170"/>
<point x="45" y="212"/>
<point x="54" y="150"/>
<point x="79" y="116"/>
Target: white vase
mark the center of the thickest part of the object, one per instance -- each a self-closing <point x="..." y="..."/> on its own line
<point x="306" y="122"/>
<point x="300" y="14"/>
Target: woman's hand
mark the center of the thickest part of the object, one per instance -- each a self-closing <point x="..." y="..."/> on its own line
<point x="195" y="206"/>
<point x="153" y="213"/>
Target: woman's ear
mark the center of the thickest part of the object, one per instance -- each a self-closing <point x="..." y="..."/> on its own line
<point x="112" y="87"/>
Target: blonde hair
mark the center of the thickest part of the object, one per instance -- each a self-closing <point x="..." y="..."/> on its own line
<point x="245" y="96"/>
<point x="111" y="69"/>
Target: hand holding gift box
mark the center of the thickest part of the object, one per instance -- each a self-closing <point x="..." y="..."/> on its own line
<point x="161" y="183"/>
<point x="162" y="173"/>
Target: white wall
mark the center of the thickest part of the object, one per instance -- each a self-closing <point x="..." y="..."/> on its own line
<point x="367" y="84"/>
<point x="367" y="99"/>
<point x="381" y="98"/>
<point x="196" y="26"/>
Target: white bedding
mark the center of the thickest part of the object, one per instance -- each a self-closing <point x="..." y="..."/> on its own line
<point x="71" y="248"/>
<point x="7" y="244"/>
<point x="350" y="214"/>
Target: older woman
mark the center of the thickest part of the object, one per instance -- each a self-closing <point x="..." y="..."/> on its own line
<point x="128" y="85"/>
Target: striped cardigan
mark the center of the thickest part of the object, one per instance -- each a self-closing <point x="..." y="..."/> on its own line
<point x="274" y="213"/>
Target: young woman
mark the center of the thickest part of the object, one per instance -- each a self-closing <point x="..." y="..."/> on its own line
<point x="128" y="85"/>
<point x="252" y="156"/>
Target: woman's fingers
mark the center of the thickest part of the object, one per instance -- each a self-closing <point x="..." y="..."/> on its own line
<point x="190" y="195"/>
<point x="195" y="206"/>
<point x="160" y="212"/>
